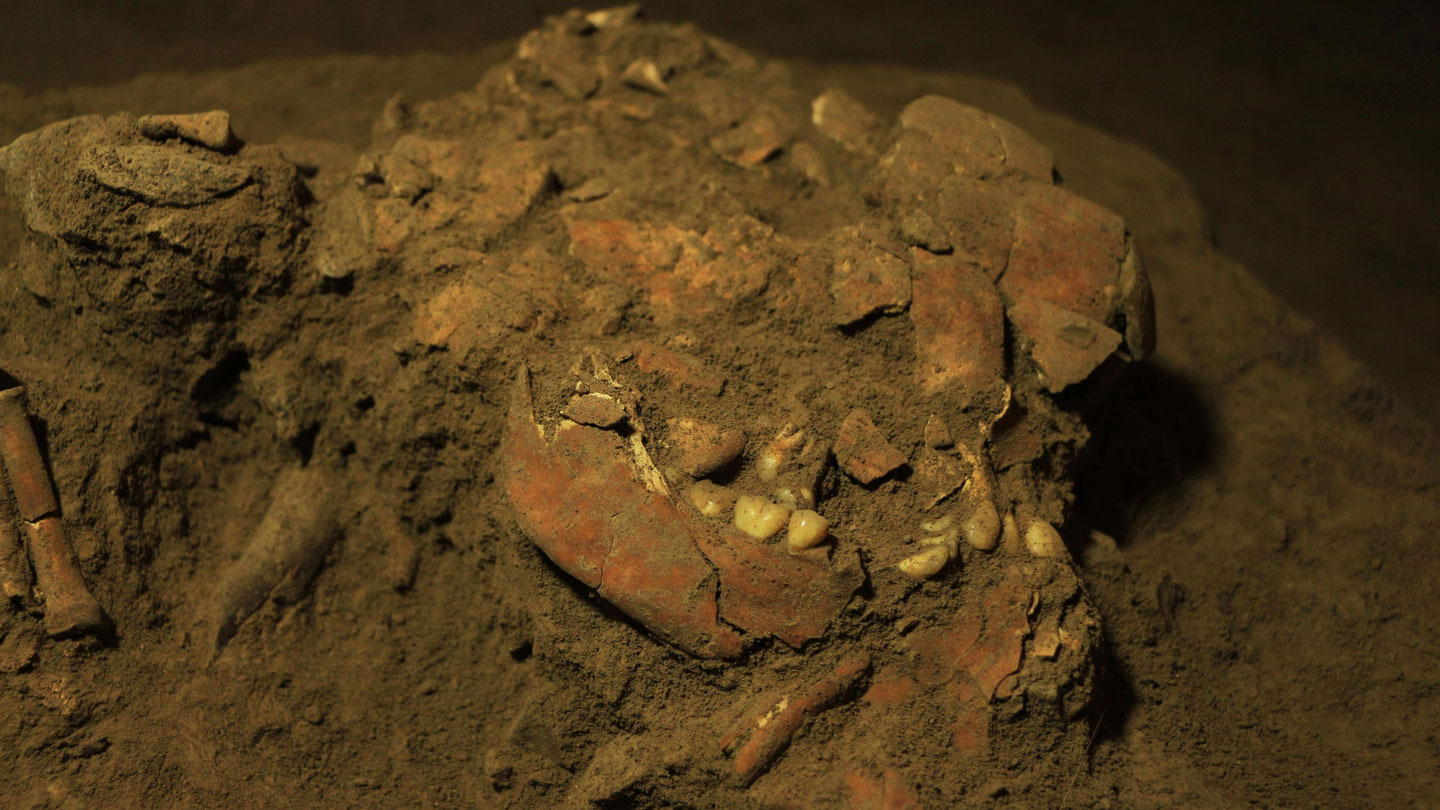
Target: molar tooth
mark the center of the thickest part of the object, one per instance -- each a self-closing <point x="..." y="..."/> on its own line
<point x="710" y="499"/>
<point x="925" y="564"/>
<point x="758" y="517"/>
<point x="808" y="529"/>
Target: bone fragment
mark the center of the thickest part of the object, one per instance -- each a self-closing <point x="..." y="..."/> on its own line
<point x="283" y="554"/>
<point x="770" y="733"/>
<point x="70" y="608"/>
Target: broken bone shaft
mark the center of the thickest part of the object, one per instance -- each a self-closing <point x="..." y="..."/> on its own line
<point x="70" y="608"/>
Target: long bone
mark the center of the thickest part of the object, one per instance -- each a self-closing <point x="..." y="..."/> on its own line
<point x="70" y="607"/>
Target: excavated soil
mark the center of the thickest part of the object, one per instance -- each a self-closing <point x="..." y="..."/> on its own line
<point x="1251" y="512"/>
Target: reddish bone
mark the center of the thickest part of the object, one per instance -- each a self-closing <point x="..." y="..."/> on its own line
<point x="69" y="606"/>
<point x="959" y="325"/>
<point x="29" y="479"/>
<point x="771" y="731"/>
<point x="577" y="496"/>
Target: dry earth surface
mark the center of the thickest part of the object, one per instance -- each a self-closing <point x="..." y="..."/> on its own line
<point x="1265" y="596"/>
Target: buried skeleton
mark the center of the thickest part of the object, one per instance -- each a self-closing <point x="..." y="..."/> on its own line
<point x="805" y="434"/>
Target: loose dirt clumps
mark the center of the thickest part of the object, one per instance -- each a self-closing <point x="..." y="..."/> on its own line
<point x="786" y="396"/>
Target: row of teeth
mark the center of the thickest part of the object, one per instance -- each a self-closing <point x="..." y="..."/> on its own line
<point x="762" y="518"/>
<point x="793" y="512"/>
<point x="984" y="530"/>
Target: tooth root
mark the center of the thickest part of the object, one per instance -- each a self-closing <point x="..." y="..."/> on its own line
<point x="802" y="498"/>
<point x="926" y="563"/>
<point x="938" y="525"/>
<point x="949" y="541"/>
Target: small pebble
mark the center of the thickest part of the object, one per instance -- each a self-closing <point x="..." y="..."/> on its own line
<point x="919" y="229"/>
<point x="211" y="130"/>
<point x="596" y="410"/>
<point x="937" y="433"/>
<point x="810" y="163"/>
<point x="588" y="191"/>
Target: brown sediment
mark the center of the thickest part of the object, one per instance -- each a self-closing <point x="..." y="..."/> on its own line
<point x="498" y="681"/>
<point x="14" y="570"/>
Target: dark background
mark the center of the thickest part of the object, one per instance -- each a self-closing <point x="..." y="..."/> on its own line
<point x="1310" y="130"/>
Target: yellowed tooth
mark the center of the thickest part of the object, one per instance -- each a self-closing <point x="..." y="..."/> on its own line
<point x="802" y="498"/>
<point x="982" y="528"/>
<point x="710" y="499"/>
<point x="925" y="564"/>
<point x="948" y="541"/>
<point x="939" y="525"/>
<point x="758" y="517"/>
<point x="808" y="529"/>
<point x="1043" y="541"/>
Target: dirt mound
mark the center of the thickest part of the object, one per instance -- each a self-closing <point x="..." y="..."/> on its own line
<point x="485" y="466"/>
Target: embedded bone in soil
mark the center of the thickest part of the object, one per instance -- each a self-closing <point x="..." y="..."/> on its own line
<point x="577" y="498"/>
<point x="580" y="495"/>
<point x="745" y="255"/>
<point x="756" y="741"/>
<point x="282" y="555"/>
<point x="24" y="466"/>
<point x="211" y="129"/>
<point x="70" y="607"/>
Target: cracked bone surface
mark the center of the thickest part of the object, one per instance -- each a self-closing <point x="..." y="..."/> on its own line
<point x="714" y="305"/>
